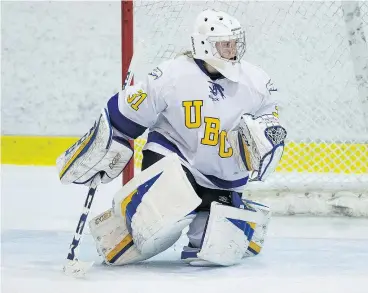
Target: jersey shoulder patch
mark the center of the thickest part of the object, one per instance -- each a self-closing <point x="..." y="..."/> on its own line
<point x="160" y="70"/>
<point x="156" y="73"/>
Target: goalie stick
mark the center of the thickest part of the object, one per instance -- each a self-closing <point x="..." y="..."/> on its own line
<point x="74" y="267"/>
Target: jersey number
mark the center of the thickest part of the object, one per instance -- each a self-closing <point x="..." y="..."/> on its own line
<point x="137" y="98"/>
<point x="212" y="134"/>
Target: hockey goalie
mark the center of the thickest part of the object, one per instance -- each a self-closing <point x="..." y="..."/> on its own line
<point x="212" y="121"/>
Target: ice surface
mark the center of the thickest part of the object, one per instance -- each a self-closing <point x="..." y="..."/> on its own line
<point x="38" y="218"/>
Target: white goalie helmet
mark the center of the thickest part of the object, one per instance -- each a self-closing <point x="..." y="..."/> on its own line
<point x="219" y="40"/>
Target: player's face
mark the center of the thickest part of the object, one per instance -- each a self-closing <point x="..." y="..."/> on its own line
<point x="227" y="49"/>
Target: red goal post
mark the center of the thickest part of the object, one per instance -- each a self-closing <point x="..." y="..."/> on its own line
<point x="126" y="55"/>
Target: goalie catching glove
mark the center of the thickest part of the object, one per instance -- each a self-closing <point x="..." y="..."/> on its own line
<point x="258" y="144"/>
<point x="98" y="151"/>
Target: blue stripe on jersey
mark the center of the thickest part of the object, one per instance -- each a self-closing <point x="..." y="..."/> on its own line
<point x="158" y="138"/>
<point x="227" y="184"/>
<point x="122" y="123"/>
<point x="163" y="141"/>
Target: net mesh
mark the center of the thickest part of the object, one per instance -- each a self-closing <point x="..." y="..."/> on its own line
<point x="304" y="47"/>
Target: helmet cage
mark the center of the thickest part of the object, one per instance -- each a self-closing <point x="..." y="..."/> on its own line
<point x="239" y="43"/>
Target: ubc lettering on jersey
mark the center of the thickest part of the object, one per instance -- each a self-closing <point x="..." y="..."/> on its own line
<point x="212" y="135"/>
<point x="193" y="113"/>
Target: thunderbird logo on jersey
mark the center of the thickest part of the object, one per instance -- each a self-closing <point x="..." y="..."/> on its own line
<point x="156" y="73"/>
<point x="270" y="87"/>
<point x="215" y="90"/>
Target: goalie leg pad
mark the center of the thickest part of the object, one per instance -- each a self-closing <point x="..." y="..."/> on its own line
<point x="113" y="240"/>
<point x="257" y="241"/>
<point x="226" y="238"/>
<point x="159" y="205"/>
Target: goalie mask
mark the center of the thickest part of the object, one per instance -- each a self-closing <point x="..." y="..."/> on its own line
<point x="219" y="40"/>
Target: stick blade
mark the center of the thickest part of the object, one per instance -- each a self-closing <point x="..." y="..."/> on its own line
<point x="76" y="268"/>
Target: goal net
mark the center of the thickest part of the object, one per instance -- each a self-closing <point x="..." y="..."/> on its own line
<point x="316" y="54"/>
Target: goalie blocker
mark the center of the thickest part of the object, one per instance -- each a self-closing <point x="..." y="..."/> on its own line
<point x="150" y="212"/>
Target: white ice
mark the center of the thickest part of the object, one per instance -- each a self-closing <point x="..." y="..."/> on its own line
<point x="39" y="215"/>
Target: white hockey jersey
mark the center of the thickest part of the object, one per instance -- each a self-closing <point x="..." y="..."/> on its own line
<point x="189" y="113"/>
